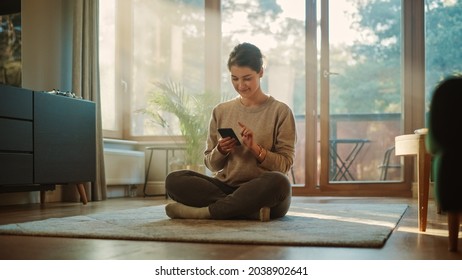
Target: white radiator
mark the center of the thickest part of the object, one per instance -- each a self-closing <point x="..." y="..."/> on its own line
<point x="124" y="167"/>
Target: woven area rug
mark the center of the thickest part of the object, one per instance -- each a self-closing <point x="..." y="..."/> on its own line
<point x="332" y="224"/>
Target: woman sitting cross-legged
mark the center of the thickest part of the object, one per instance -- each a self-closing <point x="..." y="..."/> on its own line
<point x="250" y="176"/>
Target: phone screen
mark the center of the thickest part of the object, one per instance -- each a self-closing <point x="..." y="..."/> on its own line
<point x="229" y="132"/>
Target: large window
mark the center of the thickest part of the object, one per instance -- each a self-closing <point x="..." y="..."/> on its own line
<point x="145" y="42"/>
<point x="354" y="66"/>
<point x="361" y="89"/>
<point x="148" y="41"/>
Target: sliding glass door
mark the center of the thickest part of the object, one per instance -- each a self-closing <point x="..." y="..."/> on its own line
<point x="360" y="97"/>
<point x="361" y="89"/>
<point x="338" y="64"/>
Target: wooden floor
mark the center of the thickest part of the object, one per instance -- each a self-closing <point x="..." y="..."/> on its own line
<point x="406" y="242"/>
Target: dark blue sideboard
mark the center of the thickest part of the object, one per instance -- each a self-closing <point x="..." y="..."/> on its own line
<point x="46" y="139"/>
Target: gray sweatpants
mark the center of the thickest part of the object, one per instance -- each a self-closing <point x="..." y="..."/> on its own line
<point x="271" y="189"/>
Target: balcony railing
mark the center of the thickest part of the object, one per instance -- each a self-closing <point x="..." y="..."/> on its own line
<point x="376" y="132"/>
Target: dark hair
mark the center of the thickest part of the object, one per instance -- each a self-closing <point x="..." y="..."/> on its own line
<point x="246" y="54"/>
<point x="445" y="111"/>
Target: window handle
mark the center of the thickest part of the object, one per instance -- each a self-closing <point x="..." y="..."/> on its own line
<point x="327" y="73"/>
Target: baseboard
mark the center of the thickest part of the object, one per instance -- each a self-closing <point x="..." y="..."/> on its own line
<point x="19" y="198"/>
<point x="155" y="188"/>
<point x="30" y="197"/>
<point x="152" y="188"/>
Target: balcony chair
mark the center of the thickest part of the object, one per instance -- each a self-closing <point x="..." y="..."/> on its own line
<point x="443" y="142"/>
<point x="386" y="163"/>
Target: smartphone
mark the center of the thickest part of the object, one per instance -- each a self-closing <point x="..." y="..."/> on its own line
<point x="229" y="132"/>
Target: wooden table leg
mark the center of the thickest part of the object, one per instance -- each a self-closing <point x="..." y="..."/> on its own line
<point x="423" y="183"/>
<point x="82" y="193"/>
<point x="414" y="144"/>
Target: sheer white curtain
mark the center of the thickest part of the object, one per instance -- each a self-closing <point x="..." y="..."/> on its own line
<point x="86" y="82"/>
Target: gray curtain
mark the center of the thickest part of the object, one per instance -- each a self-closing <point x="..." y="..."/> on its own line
<point x="86" y="82"/>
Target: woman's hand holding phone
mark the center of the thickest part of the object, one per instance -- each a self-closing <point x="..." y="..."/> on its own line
<point x="228" y="140"/>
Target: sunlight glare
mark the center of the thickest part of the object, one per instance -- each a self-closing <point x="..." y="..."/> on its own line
<point x="434" y="232"/>
<point x="342" y="219"/>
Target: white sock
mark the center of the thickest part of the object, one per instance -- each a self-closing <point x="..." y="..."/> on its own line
<point x="177" y="210"/>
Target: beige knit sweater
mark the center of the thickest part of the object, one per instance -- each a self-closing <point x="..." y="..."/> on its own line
<point x="273" y="125"/>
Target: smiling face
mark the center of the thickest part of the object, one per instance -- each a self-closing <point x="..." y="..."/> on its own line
<point x="246" y="81"/>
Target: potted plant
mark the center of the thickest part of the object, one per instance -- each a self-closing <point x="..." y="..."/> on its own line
<point x="192" y="112"/>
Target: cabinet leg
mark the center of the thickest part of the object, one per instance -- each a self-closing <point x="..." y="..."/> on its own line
<point x="83" y="195"/>
<point x="42" y="197"/>
<point x="453" y="228"/>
